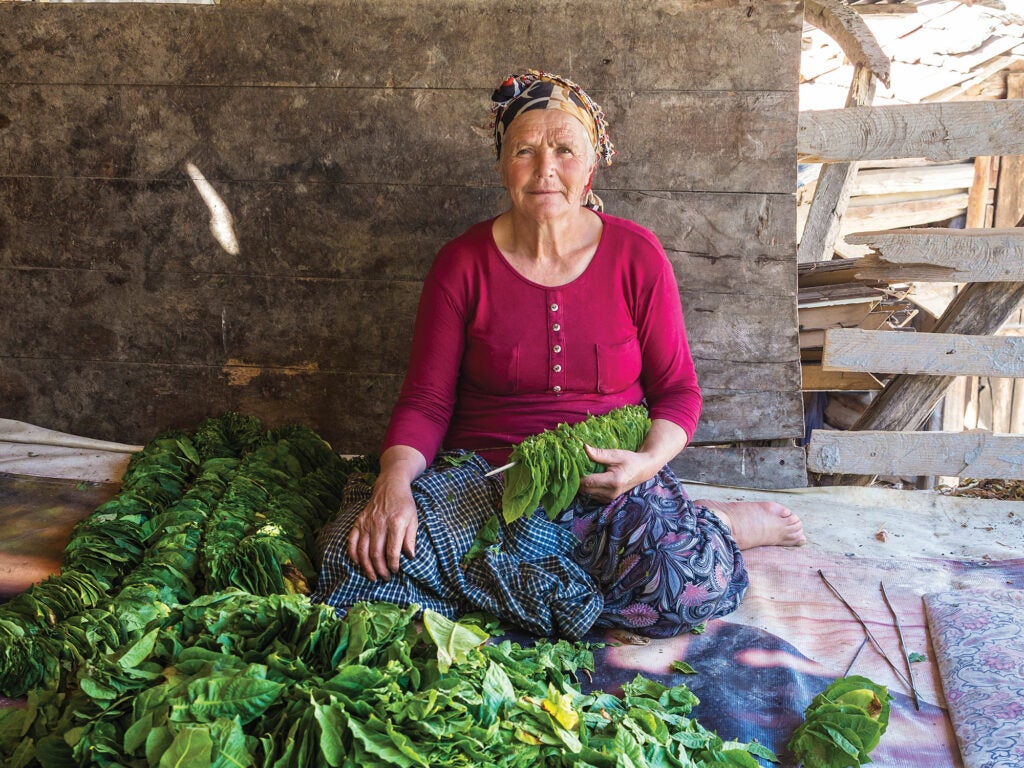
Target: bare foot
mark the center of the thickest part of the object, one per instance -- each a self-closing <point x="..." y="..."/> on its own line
<point x="758" y="523"/>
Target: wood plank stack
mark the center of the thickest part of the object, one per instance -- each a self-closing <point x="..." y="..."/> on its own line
<point x="936" y="52"/>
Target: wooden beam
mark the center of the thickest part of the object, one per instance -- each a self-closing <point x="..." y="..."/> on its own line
<point x="981" y="455"/>
<point x="943" y="131"/>
<point x="835" y="183"/>
<point x="817" y="379"/>
<point x="943" y="255"/>
<point x="842" y="23"/>
<point x="925" y="354"/>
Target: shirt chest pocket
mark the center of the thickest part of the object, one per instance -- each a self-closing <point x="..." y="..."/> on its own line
<point x="618" y="365"/>
<point x="491" y="368"/>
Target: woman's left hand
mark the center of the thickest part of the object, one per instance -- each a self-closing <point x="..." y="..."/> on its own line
<point x="623" y="470"/>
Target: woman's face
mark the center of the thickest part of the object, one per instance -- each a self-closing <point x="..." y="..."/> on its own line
<point x="546" y="163"/>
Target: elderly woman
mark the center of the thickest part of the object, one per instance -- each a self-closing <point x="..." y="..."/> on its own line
<point x="548" y="313"/>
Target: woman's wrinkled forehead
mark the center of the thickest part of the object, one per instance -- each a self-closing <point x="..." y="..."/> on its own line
<point x="537" y="90"/>
<point x="548" y="126"/>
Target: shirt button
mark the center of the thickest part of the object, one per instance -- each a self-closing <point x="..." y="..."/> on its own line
<point x="556" y="368"/>
<point x="556" y="327"/>
<point x="554" y="307"/>
<point x="556" y="388"/>
<point x="557" y="348"/>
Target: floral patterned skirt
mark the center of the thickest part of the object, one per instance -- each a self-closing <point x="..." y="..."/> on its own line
<point x="663" y="564"/>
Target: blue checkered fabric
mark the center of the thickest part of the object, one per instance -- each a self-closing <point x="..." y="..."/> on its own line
<point x="529" y="578"/>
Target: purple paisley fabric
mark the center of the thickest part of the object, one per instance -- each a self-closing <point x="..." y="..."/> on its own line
<point x="663" y="564"/>
<point x="979" y="643"/>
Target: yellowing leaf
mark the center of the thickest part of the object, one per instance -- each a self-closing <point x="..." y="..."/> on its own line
<point x="559" y="706"/>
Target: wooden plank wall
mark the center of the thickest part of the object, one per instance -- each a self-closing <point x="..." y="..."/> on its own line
<point x="348" y="141"/>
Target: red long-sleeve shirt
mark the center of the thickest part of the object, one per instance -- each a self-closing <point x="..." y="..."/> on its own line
<point x="497" y="358"/>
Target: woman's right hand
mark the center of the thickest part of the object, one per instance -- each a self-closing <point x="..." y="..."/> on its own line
<point x="386" y="528"/>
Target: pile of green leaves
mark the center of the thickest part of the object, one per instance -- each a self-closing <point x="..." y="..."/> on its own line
<point x="842" y="724"/>
<point x="231" y="504"/>
<point x="549" y="465"/>
<point x="235" y="679"/>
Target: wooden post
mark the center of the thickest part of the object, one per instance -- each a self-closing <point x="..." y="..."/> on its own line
<point x="1010" y="191"/>
<point x="835" y="183"/>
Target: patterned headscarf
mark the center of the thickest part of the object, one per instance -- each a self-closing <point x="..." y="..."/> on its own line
<point x="540" y="90"/>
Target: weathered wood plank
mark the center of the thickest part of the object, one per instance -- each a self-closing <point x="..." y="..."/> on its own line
<point x="817" y="379"/>
<point x="313" y="227"/>
<point x="896" y="214"/>
<point x="947" y="131"/>
<point x="247" y="133"/>
<point x="404" y="43"/>
<point x="926" y="354"/>
<point x="130" y="402"/>
<point x="944" y="255"/>
<point x="981" y="196"/>
<point x="308" y="226"/>
<point x="742" y="466"/>
<point x="937" y="178"/>
<point x="316" y="322"/>
<point x="714" y="324"/>
<point x="211" y="320"/>
<point x="982" y="455"/>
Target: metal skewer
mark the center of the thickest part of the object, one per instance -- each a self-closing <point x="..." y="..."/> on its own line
<point x="867" y="631"/>
<point x="499" y="470"/>
<point x="903" y="646"/>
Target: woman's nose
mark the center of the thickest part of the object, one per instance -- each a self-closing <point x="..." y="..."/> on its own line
<point x="545" y="163"/>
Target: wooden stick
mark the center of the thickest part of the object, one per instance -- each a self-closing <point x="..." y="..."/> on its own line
<point x="903" y="646"/>
<point x="867" y="630"/>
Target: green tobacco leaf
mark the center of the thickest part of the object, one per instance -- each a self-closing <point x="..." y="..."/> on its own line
<point x="375" y="740"/>
<point x="209" y="698"/>
<point x="191" y="748"/>
<point x="230" y="748"/>
<point x="488" y="535"/>
<point x="915" y="657"/>
<point x="682" y="667"/>
<point x="332" y="722"/>
<point x="138" y="651"/>
<point x="454" y="641"/>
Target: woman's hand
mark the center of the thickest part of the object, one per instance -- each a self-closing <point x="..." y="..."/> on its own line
<point x="624" y="470"/>
<point x="386" y="528"/>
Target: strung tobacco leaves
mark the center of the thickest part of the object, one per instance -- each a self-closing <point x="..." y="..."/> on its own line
<point x="549" y="465"/>
<point x="229" y="505"/>
<point x="235" y="679"/>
